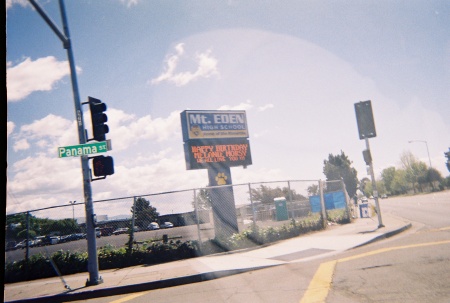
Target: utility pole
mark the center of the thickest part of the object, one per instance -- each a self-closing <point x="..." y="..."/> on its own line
<point x="94" y="278"/>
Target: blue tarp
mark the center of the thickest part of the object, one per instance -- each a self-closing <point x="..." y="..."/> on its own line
<point x="334" y="200"/>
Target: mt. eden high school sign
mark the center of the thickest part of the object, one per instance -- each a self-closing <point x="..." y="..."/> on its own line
<point x="217" y="140"/>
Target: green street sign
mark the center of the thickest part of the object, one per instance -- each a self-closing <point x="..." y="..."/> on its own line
<point x="84" y="149"/>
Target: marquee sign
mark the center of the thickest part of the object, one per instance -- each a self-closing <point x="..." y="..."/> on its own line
<point x="215" y="137"/>
<point x="231" y="152"/>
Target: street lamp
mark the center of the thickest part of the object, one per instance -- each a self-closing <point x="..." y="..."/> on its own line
<point x="429" y="159"/>
<point x="73" y="209"/>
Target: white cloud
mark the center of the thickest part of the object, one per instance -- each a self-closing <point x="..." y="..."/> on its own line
<point x="30" y="76"/>
<point x="9" y="128"/>
<point x="47" y="133"/>
<point x="48" y="175"/>
<point x="206" y="67"/>
<point x="50" y="126"/>
<point x="127" y="130"/>
<point x="241" y="106"/>
<point x="265" y="107"/>
<point x="21" y="145"/>
<point x="130" y="3"/>
<point x="10" y="3"/>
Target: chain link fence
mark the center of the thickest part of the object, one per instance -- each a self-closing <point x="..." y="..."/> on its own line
<point x="179" y="215"/>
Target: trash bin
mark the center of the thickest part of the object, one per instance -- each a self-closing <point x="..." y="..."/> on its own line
<point x="281" y="209"/>
<point x="364" y="211"/>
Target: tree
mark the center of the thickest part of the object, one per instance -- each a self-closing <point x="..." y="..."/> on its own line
<point x="399" y="184"/>
<point x="144" y="213"/>
<point x="266" y="195"/>
<point x="313" y="190"/>
<point x="387" y="176"/>
<point x="365" y="185"/>
<point x="415" y="170"/>
<point x="434" y="176"/>
<point x="203" y="200"/>
<point x="339" y="167"/>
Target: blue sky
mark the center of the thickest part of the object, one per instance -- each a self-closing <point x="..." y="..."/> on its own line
<point x="296" y="67"/>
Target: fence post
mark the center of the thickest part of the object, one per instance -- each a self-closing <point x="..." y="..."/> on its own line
<point x="251" y="203"/>
<point x="27" y="246"/>
<point x="322" y="206"/>
<point x="131" y="240"/>
<point x="290" y="199"/>
<point x="197" y="218"/>
<point x="347" y="202"/>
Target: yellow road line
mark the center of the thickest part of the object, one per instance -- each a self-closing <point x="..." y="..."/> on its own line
<point x="379" y="251"/>
<point x="130" y="297"/>
<point x="320" y="284"/>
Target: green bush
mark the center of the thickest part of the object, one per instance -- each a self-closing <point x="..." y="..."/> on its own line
<point x="339" y="216"/>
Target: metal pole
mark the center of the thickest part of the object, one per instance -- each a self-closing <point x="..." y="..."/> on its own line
<point x="94" y="278"/>
<point x="374" y="187"/>
<point x="322" y="206"/>
<point x="251" y="203"/>
<point x="197" y="217"/>
<point x="73" y="209"/>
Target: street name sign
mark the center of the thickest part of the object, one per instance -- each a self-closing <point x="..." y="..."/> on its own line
<point x="84" y="149"/>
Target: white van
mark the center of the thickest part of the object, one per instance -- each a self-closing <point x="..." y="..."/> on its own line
<point x="153" y="226"/>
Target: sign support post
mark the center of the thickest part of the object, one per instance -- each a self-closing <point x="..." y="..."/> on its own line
<point x="374" y="187"/>
<point x="222" y="201"/>
<point x="366" y="129"/>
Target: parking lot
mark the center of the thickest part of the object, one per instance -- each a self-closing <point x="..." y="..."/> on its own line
<point x="183" y="233"/>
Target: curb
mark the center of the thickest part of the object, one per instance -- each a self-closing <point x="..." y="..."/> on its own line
<point x="386" y="235"/>
<point x="196" y="278"/>
<point x="120" y="290"/>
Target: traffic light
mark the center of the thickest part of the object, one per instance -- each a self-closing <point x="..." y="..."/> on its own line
<point x="99" y="118"/>
<point x="103" y="166"/>
<point x="364" y="118"/>
<point x="447" y="154"/>
<point x="367" y="156"/>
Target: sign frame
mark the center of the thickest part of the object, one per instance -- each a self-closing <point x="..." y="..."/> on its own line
<point x="213" y="124"/>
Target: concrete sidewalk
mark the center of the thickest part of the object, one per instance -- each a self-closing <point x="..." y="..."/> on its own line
<point x="334" y="239"/>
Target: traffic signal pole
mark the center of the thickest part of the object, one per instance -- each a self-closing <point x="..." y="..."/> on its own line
<point x="94" y="278"/>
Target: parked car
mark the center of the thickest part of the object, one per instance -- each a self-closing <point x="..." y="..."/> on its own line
<point x="50" y="240"/>
<point x="11" y="245"/>
<point x="153" y="226"/>
<point x="119" y="231"/>
<point x="23" y="244"/>
<point x="384" y="196"/>
<point x="39" y="241"/>
<point x="364" y="200"/>
<point x="166" y="225"/>
<point x="98" y="232"/>
<point x="106" y="231"/>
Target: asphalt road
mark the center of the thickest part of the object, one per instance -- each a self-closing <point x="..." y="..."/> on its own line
<point x="413" y="266"/>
